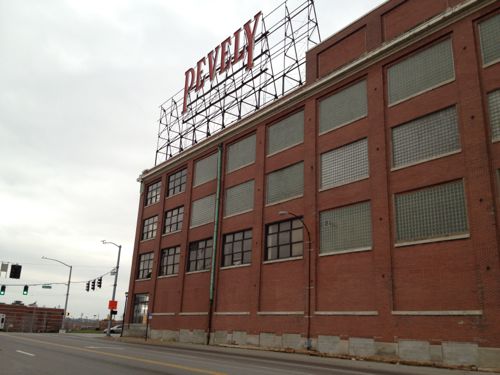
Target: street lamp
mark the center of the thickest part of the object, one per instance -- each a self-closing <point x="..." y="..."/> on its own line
<point x="308" y="313"/>
<point x="108" y="333"/>
<point x="67" y="290"/>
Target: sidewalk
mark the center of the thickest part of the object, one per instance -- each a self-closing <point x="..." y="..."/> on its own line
<point x="303" y="358"/>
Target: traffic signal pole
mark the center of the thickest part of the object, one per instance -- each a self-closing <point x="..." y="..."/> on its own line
<point x="67" y="296"/>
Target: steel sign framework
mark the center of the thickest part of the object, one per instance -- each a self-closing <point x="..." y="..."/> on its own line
<point x="282" y="38"/>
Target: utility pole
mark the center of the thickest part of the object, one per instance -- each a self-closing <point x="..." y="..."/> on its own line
<point x="116" y="282"/>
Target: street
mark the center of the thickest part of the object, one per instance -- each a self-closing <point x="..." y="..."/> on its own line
<point x="56" y="354"/>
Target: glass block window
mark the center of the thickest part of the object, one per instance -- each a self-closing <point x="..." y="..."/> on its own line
<point x="346" y="228"/>
<point x="200" y="255"/>
<point x="421" y="72"/>
<point x="284" y="240"/>
<point x="425" y="138"/>
<point x="169" y="264"/>
<point x="345" y="164"/>
<point x="177" y="182"/>
<point x="140" y="315"/>
<point x="145" y="266"/>
<point x="153" y="193"/>
<point x="433" y="212"/>
<point x="203" y="211"/>
<point x="344" y="107"/>
<point x="285" y="183"/>
<point x="205" y="170"/>
<point x="237" y="248"/>
<point x="239" y="198"/>
<point x="241" y="153"/>
<point x="494" y="112"/>
<point x="285" y="133"/>
<point x="149" y="228"/>
<point x="489" y="33"/>
<point x="173" y="220"/>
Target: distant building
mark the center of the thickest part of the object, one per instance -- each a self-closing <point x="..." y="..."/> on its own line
<point x="22" y="318"/>
<point x="358" y="215"/>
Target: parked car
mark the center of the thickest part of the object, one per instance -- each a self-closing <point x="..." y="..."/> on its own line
<point x="114" y="329"/>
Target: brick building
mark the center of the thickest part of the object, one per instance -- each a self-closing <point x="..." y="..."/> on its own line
<point x="31" y="318"/>
<point x="357" y="215"/>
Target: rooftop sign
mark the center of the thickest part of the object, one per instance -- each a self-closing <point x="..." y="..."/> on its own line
<point x="256" y="64"/>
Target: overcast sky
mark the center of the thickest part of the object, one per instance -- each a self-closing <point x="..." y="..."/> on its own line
<point x="80" y="86"/>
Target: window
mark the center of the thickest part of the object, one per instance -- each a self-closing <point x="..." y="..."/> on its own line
<point x="241" y="153"/>
<point x="345" y="164"/>
<point x="494" y="111"/>
<point x="423" y="71"/>
<point x="173" y="220"/>
<point x="153" y="193"/>
<point x="284" y="239"/>
<point x="433" y="212"/>
<point x="239" y="198"/>
<point x="145" y="266"/>
<point x="177" y="182"/>
<point x="149" y="228"/>
<point x="343" y="107"/>
<point x="205" y="170"/>
<point x="203" y="211"/>
<point x="200" y="255"/>
<point x="489" y="33"/>
<point x="285" y="133"/>
<point x="425" y="138"/>
<point x="346" y="228"/>
<point x="285" y="183"/>
<point x="237" y="248"/>
<point x="169" y="264"/>
<point x="140" y="308"/>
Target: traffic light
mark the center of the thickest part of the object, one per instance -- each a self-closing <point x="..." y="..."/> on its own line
<point x="15" y="271"/>
<point x="93" y="284"/>
<point x="25" y="290"/>
<point x="99" y="282"/>
<point x="87" y="286"/>
<point x="2" y="290"/>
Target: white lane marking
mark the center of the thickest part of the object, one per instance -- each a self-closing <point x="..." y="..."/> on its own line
<point x="25" y="353"/>
<point x="104" y="347"/>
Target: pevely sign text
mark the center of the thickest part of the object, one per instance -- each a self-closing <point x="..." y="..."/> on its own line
<point x="222" y="57"/>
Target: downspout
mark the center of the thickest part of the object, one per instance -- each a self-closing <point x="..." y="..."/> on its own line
<point x="214" y="240"/>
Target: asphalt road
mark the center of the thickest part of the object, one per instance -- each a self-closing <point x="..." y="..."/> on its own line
<point x="61" y="354"/>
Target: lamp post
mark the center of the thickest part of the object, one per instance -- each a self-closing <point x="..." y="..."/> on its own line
<point x="67" y="289"/>
<point x="108" y="333"/>
<point x="308" y="313"/>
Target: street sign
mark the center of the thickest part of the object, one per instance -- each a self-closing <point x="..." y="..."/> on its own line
<point x="112" y="305"/>
<point x="46" y="286"/>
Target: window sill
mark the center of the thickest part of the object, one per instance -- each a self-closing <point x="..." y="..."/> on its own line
<point x="394" y="169"/>
<point x="168" y="276"/>
<point x="431" y="240"/>
<point x="238" y="213"/>
<point x="342" y="124"/>
<point x="421" y="92"/>
<point x="358" y="250"/>
<point x="343" y="184"/>
<point x="346" y="313"/>
<point x="284" y="200"/>
<point x="170" y="233"/>
<point x="151" y="204"/>
<point x="236" y="266"/>
<point x="148" y="239"/>
<point x="146" y="279"/>
<point x="280" y="313"/>
<point x="487" y="65"/>
<point x="284" y="149"/>
<point x="174" y="195"/>
<point x="240" y="167"/>
<point x="200" y="225"/>
<point x="282" y="260"/>
<point x="200" y="271"/>
<point x="439" y="313"/>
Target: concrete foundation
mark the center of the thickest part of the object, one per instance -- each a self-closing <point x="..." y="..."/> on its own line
<point x="415" y="351"/>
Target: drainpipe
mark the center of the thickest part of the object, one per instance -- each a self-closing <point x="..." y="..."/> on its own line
<point x="214" y="240"/>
